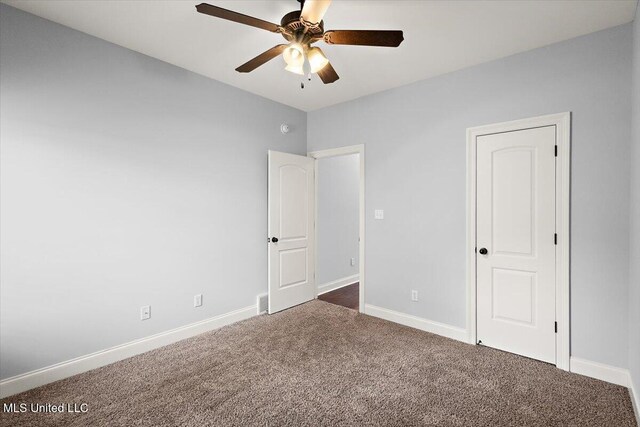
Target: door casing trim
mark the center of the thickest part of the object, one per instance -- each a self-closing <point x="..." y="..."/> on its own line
<point x="342" y="151"/>
<point x="562" y="121"/>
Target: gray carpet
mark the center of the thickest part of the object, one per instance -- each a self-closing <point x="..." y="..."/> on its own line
<point x="319" y="364"/>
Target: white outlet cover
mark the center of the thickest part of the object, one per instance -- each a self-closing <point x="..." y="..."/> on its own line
<point x="414" y="295"/>
<point x="197" y="300"/>
<point x="378" y="214"/>
<point x="353" y="262"/>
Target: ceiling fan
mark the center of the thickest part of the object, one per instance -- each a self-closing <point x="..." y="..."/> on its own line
<point x="302" y="28"/>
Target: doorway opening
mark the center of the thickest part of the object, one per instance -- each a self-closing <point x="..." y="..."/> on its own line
<point x="339" y="226"/>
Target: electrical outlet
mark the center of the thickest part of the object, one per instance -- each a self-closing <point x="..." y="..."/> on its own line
<point x="414" y="295"/>
<point x="353" y="262"/>
<point x="197" y="300"/>
<point x="145" y="312"/>
<point x="378" y="214"/>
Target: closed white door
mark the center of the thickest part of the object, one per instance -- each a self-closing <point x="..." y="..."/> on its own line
<point x="515" y="236"/>
<point x="291" y="230"/>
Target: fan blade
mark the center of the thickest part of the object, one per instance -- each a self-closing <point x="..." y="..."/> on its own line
<point x="328" y="74"/>
<point x="261" y="59"/>
<point x="313" y="11"/>
<point x="387" y="38"/>
<point x="230" y="15"/>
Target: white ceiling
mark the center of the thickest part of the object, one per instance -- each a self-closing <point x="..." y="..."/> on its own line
<point x="440" y="37"/>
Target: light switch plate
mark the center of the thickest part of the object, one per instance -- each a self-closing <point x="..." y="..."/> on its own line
<point x="145" y="312"/>
<point x="197" y="300"/>
<point x="378" y="214"/>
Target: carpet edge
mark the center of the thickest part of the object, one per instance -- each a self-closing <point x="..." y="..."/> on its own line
<point x="442" y="329"/>
<point x="39" y="377"/>
<point x="600" y="371"/>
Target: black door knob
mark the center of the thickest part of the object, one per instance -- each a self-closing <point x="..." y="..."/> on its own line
<point x="274" y="239"/>
<point x="483" y="251"/>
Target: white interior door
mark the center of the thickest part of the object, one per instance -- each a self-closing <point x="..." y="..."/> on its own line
<point x="515" y="236"/>
<point x="291" y="230"/>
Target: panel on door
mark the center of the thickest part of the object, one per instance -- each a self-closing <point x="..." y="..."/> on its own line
<point x="515" y="230"/>
<point x="291" y="235"/>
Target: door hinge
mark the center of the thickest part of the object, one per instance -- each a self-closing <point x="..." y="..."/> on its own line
<point x="555" y="151"/>
<point x="556" y="327"/>
<point x="476" y="249"/>
<point x="555" y="238"/>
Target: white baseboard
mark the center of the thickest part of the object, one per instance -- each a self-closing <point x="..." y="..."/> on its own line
<point x="600" y="371"/>
<point x="437" y="328"/>
<point x="634" y="393"/>
<point x="81" y="364"/>
<point x="337" y="284"/>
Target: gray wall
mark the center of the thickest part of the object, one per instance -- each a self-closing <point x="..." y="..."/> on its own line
<point x="415" y="170"/>
<point x="125" y="181"/>
<point x="634" y="235"/>
<point x="337" y="222"/>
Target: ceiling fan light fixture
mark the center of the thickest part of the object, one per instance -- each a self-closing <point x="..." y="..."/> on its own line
<point x="296" y="69"/>
<point x="301" y="29"/>
<point x="293" y="55"/>
<point x="317" y="60"/>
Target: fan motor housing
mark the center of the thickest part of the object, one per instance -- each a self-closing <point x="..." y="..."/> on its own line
<point x="296" y="30"/>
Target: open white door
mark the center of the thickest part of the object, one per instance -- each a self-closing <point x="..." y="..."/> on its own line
<point x="291" y="230"/>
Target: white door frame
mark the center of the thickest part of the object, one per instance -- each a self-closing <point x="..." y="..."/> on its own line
<point x="342" y="151"/>
<point x="562" y="122"/>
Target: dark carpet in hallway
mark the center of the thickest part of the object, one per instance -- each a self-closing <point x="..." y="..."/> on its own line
<point x="347" y="296"/>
